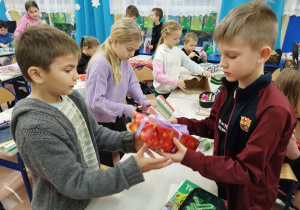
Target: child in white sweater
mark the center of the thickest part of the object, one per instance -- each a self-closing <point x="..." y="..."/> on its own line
<point x="168" y="60"/>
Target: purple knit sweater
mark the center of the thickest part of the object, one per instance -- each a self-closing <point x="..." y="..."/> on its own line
<point x="104" y="98"/>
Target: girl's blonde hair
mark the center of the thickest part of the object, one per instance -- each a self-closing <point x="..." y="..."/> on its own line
<point x="88" y="42"/>
<point x="167" y="28"/>
<point x="123" y="31"/>
<point x="288" y="82"/>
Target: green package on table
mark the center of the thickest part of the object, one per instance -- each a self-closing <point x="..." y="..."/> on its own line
<point x="196" y="23"/>
<point x="185" y="22"/>
<point x="201" y="199"/>
<point x="147" y="22"/>
<point x="181" y="194"/>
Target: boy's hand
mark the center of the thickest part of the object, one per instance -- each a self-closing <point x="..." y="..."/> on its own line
<point x="181" y="84"/>
<point x="203" y="53"/>
<point x="173" y="120"/>
<point x="148" y="164"/>
<point x="179" y="155"/>
<point x="207" y="74"/>
<point x="150" y="46"/>
<point x="192" y="54"/>
<point x="152" y="103"/>
<point x="133" y="113"/>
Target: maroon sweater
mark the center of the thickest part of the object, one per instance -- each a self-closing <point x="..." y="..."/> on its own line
<point x="254" y="150"/>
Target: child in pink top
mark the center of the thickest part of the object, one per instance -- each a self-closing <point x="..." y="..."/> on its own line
<point x="31" y="18"/>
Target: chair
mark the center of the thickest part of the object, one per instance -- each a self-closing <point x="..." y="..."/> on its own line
<point x="7" y="97"/>
<point x="288" y="174"/>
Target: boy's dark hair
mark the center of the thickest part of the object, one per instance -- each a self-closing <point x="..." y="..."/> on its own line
<point x="3" y="24"/>
<point x="132" y="11"/>
<point x="158" y="12"/>
<point x="254" y="22"/>
<point x="39" y="45"/>
<point x="89" y="42"/>
<point x="29" y="4"/>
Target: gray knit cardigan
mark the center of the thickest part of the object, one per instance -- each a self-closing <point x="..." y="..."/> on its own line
<point x="48" y="144"/>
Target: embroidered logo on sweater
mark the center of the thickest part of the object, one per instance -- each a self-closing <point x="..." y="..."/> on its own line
<point x="245" y="123"/>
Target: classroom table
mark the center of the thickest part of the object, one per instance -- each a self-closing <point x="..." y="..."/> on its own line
<point x="6" y="53"/>
<point x="11" y="75"/>
<point x="153" y="193"/>
<point x="141" y="60"/>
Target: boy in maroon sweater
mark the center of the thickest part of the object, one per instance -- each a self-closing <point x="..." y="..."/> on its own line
<point x="251" y="121"/>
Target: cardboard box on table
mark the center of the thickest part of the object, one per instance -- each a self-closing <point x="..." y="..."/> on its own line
<point x="196" y="84"/>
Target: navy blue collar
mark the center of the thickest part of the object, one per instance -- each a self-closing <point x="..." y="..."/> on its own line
<point x="243" y="93"/>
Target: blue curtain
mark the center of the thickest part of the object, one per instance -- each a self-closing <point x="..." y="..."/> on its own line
<point x="277" y="7"/>
<point x="92" y="21"/>
<point x="292" y="34"/>
<point x="2" y="11"/>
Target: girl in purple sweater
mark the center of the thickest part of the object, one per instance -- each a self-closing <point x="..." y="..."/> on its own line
<point x="110" y="78"/>
<point x="31" y="18"/>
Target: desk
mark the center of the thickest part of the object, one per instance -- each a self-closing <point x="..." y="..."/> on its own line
<point x="213" y="58"/>
<point x="6" y="53"/>
<point x="153" y="193"/>
<point x="141" y="60"/>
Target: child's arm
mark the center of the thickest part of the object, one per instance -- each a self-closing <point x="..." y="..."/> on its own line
<point x="292" y="151"/>
<point x="53" y="159"/>
<point x="249" y="165"/>
<point x="135" y="91"/>
<point x="205" y="127"/>
<point x="96" y="88"/>
<point x="192" y="66"/>
<point x="22" y="25"/>
<point x="159" y="76"/>
<point x="3" y="45"/>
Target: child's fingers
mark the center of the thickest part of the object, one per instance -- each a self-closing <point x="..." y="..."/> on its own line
<point x="150" y="153"/>
<point x="177" y="143"/>
<point x="142" y="150"/>
<point x="160" y="162"/>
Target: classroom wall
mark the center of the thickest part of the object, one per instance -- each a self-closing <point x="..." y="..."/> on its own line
<point x="277" y="7"/>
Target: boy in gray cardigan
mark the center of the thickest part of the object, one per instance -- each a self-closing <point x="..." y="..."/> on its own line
<point x="56" y="135"/>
